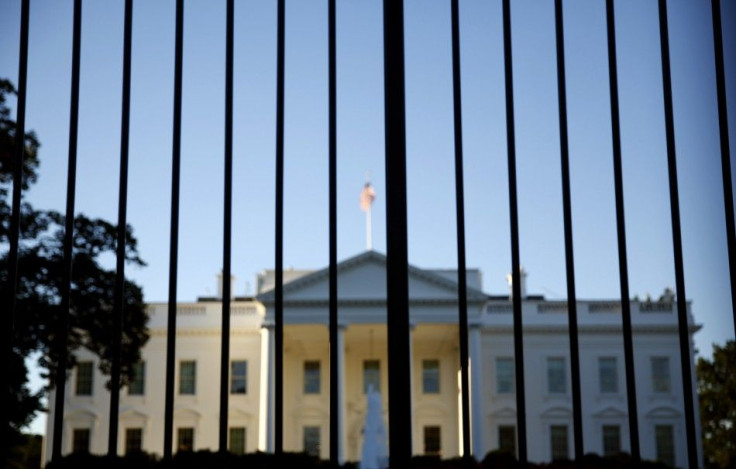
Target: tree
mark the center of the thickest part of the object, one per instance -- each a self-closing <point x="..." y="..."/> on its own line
<point x="40" y="274"/>
<point x="717" y="394"/>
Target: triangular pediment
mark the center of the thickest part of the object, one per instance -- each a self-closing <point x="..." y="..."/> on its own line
<point x="556" y="413"/>
<point x="81" y="415"/>
<point x="132" y="415"/>
<point x="187" y="413"/>
<point x="504" y="413"/>
<point x="610" y="413"/>
<point x="663" y="412"/>
<point x="239" y="414"/>
<point x="363" y="278"/>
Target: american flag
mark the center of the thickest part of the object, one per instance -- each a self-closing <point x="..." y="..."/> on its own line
<point x="367" y="195"/>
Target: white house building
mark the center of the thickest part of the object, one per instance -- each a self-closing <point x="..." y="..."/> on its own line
<point x="363" y="363"/>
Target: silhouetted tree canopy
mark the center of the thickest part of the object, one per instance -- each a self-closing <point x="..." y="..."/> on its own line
<point x="40" y="277"/>
<point x="717" y="394"/>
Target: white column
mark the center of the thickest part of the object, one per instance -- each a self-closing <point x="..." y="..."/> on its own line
<point x="477" y="409"/>
<point x="412" y="388"/>
<point x="342" y="438"/>
<point x="266" y="417"/>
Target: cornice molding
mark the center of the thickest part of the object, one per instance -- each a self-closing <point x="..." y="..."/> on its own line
<point x="528" y="329"/>
<point x="203" y="332"/>
<point x="588" y="329"/>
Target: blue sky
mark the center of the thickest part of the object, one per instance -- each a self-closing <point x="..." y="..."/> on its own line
<point x="430" y="157"/>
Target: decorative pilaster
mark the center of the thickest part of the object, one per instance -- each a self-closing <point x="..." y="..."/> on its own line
<point x="412" y="327"/>
<point x="266" y="417"/>
<point x="477" y="409"/>
<point x="341" y="393"/>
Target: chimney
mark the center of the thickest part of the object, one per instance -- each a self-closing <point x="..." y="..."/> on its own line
<point x="510" y="280"/>
<point x="220" y="284"/>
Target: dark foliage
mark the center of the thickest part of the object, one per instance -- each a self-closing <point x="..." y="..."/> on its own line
<point x="717" y="396"/>
<point x="40" y="279"/>
<point x="25" y="453"/>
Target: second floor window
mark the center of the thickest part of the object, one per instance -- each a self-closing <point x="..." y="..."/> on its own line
<point x="608" y="374"/>
<point x="137" y="385"/>
<point x="187" y="377"/>
<point x="311" y="377"/>
<point x="430" y="376"/>
<point x="239" y="377"/>
<point x="556" y="379"/>
<point x="371" y="375"/>
<point x="661" y="374"/>
<point x="84" y="379"/>
<point x="504" y="375"/>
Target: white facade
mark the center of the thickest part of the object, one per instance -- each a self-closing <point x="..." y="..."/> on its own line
<point x="363" y="360"/>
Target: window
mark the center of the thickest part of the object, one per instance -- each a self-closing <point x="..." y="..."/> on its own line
<point x="84" y="379"/>
<point x="137" y="385"/>
<point x="611" y="440"/>
<point x="432" y="440"/>
<point x="311" y="377"/>
<point x="133" y="440"/>
<point x="371" y="375"/>
<point x="239" y="377"/>
<point x="430" y="376"/>
<point x="556" y="380"/>
<point x="507" y="438"/>
<point x="80" y="440"/>
<point x="608" y="375"/>
<point x="661" y="374"/>
<point x="505" y="375"/>
<point x="237" y="440"/>
<point x="665" y="440"/>
<point x="312" y="441"/>
<point x="185" y="439"/>
<point x="187" y="377"/>
<point x="558" y="441"/>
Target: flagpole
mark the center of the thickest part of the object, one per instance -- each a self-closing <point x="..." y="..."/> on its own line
<point x="368" y="230"/>
<point x="367" y="195"/>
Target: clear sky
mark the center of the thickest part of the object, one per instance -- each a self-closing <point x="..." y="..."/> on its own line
<point x="430" y="151"/>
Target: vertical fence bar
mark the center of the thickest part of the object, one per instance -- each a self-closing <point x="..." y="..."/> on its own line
<point x="119" y="302"/>
<point x="18" y="158"/>
<point x="227" y="229"/>
<point x="460" y="215"/>
<point x="174" y="238"/>
<point x="397" y="258"/>
<point x="621" y="233"/>
<point x="725" y="148"/>
<point x="71" y="183"/>
<point x="682" y="320"/>
<point x="14" y="235"/>
<point x="572" y="306"/>
<point x="514" y="222"/>
<point x="332" y="136"/>
<point x="279" y="273"/>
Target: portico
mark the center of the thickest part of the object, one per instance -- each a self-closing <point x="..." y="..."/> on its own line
<point x="362" y="357"/>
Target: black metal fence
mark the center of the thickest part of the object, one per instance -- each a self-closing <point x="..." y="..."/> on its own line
<point x="396" y="220"/>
